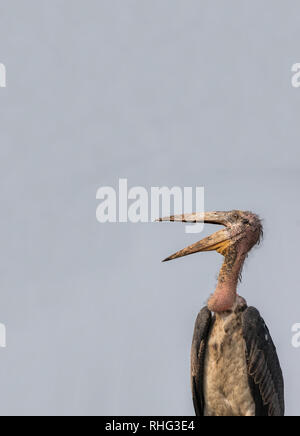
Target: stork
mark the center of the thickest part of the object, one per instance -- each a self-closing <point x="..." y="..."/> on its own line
<point x="235" y="370"/>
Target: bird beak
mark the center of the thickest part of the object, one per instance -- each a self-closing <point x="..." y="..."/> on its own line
<point x="219" y="241"/>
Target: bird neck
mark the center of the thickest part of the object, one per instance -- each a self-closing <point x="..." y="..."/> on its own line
<point x="225" y="295"/>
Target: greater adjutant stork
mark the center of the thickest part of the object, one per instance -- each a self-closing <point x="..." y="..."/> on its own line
<point x="235" y="370"/>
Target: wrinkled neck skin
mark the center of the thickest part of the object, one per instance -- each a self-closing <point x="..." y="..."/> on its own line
<point x="225" y="295"/>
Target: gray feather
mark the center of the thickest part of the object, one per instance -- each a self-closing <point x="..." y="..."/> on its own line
<point x="265" y="375"/>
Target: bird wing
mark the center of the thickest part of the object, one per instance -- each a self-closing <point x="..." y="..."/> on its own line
<point x="265" y="375"/>
<point x="200" y="339"/>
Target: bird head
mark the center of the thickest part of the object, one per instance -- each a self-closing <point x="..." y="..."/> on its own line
<point x="242" y="231"/>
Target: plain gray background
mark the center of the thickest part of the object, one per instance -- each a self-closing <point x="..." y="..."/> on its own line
<point x="168" y="93"/>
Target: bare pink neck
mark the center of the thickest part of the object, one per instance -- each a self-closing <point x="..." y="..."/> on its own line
<point x="225" y="294"/>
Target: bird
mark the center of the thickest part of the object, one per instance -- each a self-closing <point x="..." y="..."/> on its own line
<point x="235" y="369"/>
